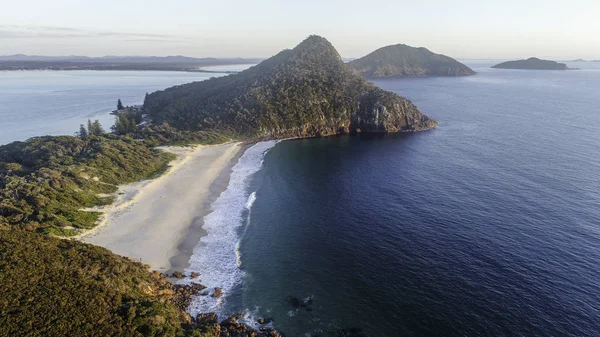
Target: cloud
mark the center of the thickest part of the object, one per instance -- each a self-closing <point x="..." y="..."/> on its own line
<point x="24" y="32"/>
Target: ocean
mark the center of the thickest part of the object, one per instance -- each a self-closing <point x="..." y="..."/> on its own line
<point x="37" y="103"/>
<point x="488" y="225"/>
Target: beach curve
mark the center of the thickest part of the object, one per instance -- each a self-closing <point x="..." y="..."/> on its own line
<point x="152" y="220"/>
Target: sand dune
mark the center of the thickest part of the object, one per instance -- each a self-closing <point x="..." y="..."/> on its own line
<point x="159" y="222"/>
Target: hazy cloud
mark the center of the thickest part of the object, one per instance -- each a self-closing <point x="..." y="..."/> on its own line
<point x="23" y="32"/>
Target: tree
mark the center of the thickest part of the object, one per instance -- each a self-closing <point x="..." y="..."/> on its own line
<point x="82" y="132"/>
<point x="120" y="105"/>
<point x="95" y="128"/>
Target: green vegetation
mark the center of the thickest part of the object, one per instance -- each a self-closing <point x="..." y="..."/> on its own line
<point x="403" y="60"/>
<point x="94" y="128"/>
<point x="54" y="288"/>
<point x="307" y="91"/>
<point x="126" y="122"/>
<point x="45" y="182"/>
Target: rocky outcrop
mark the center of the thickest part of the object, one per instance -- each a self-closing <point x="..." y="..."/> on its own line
<point x="230" y="327"/>
<point x="218" y="292"/>
<point x="532" y="63"/>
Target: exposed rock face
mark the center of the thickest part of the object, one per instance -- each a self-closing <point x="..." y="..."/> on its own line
<point x="218" y="292"/>
<point x="532" y="63"/>
<point x="304" y="92"/>
<point x="402" y="61"/>
<point x="231" y="328"/>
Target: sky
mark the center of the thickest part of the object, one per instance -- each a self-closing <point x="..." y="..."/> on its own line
<point x="465" y="29"/>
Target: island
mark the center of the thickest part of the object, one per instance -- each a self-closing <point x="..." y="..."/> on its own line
<point x="401" y="60"/>
<point x="532" y="63"/>
<point x="51" y="186"/>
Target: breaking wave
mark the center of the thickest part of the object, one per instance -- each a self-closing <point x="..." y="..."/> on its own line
<point x="217" y="257"/>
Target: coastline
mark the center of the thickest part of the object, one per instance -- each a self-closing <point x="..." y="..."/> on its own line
<point x="159" y="221"/>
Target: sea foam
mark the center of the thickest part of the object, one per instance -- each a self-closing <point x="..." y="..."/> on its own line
<point x="217" y="257"/>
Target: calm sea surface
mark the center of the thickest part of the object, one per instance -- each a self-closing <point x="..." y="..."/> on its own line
<point x="37" y="103"/>
<point x="488" y="225"/>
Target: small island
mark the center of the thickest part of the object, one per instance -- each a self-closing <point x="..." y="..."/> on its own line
<point x="532" y="63"/>
<point x="401" y="60"/>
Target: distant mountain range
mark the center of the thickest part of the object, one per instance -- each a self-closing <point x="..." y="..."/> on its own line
<point x="175" y="63"/>
<point x="133" y="59"/>
<point x="580" y="60"/>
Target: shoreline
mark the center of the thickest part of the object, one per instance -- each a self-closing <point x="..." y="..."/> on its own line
<point x="156" y="221"/>
<point x="195" y="231"/>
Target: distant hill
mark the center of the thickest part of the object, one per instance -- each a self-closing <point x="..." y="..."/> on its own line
<point x="175" y="63"/>
<point x="134" y="59"/>
<point x="306" y="91"/>
<point x="403" y="60"/>
<point x="532" y="63"/>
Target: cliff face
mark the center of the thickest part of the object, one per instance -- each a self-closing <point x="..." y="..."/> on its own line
<point x="532" y="63"/>
<point x="402" y="60"/>
<point x="303" y="92"/>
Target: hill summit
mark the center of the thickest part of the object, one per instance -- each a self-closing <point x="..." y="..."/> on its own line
<point x="401" y="60"/>
<point x="302" y="92"/>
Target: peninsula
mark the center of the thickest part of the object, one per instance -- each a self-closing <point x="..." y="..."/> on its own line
<point x="62" y="186"/>
<point x="304" y="92"/>
<point x="532" y="63"/>
<point x="401" y="60"/>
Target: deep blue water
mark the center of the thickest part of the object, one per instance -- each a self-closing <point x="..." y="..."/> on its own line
<point x="488" y="225"/>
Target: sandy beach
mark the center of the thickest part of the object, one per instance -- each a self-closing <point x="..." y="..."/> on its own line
<point x="159" y="221"/>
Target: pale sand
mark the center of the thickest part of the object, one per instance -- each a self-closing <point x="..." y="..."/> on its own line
<point x="158" y="222"/>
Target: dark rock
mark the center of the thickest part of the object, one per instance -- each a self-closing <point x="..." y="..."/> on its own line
<point x="266" y="320"/>
<point x="194" y="275"/>
<point x="184" y="292"/>
<point x="177" y="274"/>
<point x="351" y="332"/>
<point x="218" y="292"/>
<point x="294" y="301"/>
<point x="208" y="318"/>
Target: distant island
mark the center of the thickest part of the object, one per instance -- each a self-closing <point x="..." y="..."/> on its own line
<point x="532" y="63"/>
<point x="401" y="60"/>
<point x="167" y="63"/>
<point x="304" y="92"/>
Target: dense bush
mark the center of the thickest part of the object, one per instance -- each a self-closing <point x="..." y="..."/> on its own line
<point x="307" y="91"/>
<point x="45" y="182"/>
<point x="53" y="287"/>
<point x="403" y="60"/>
